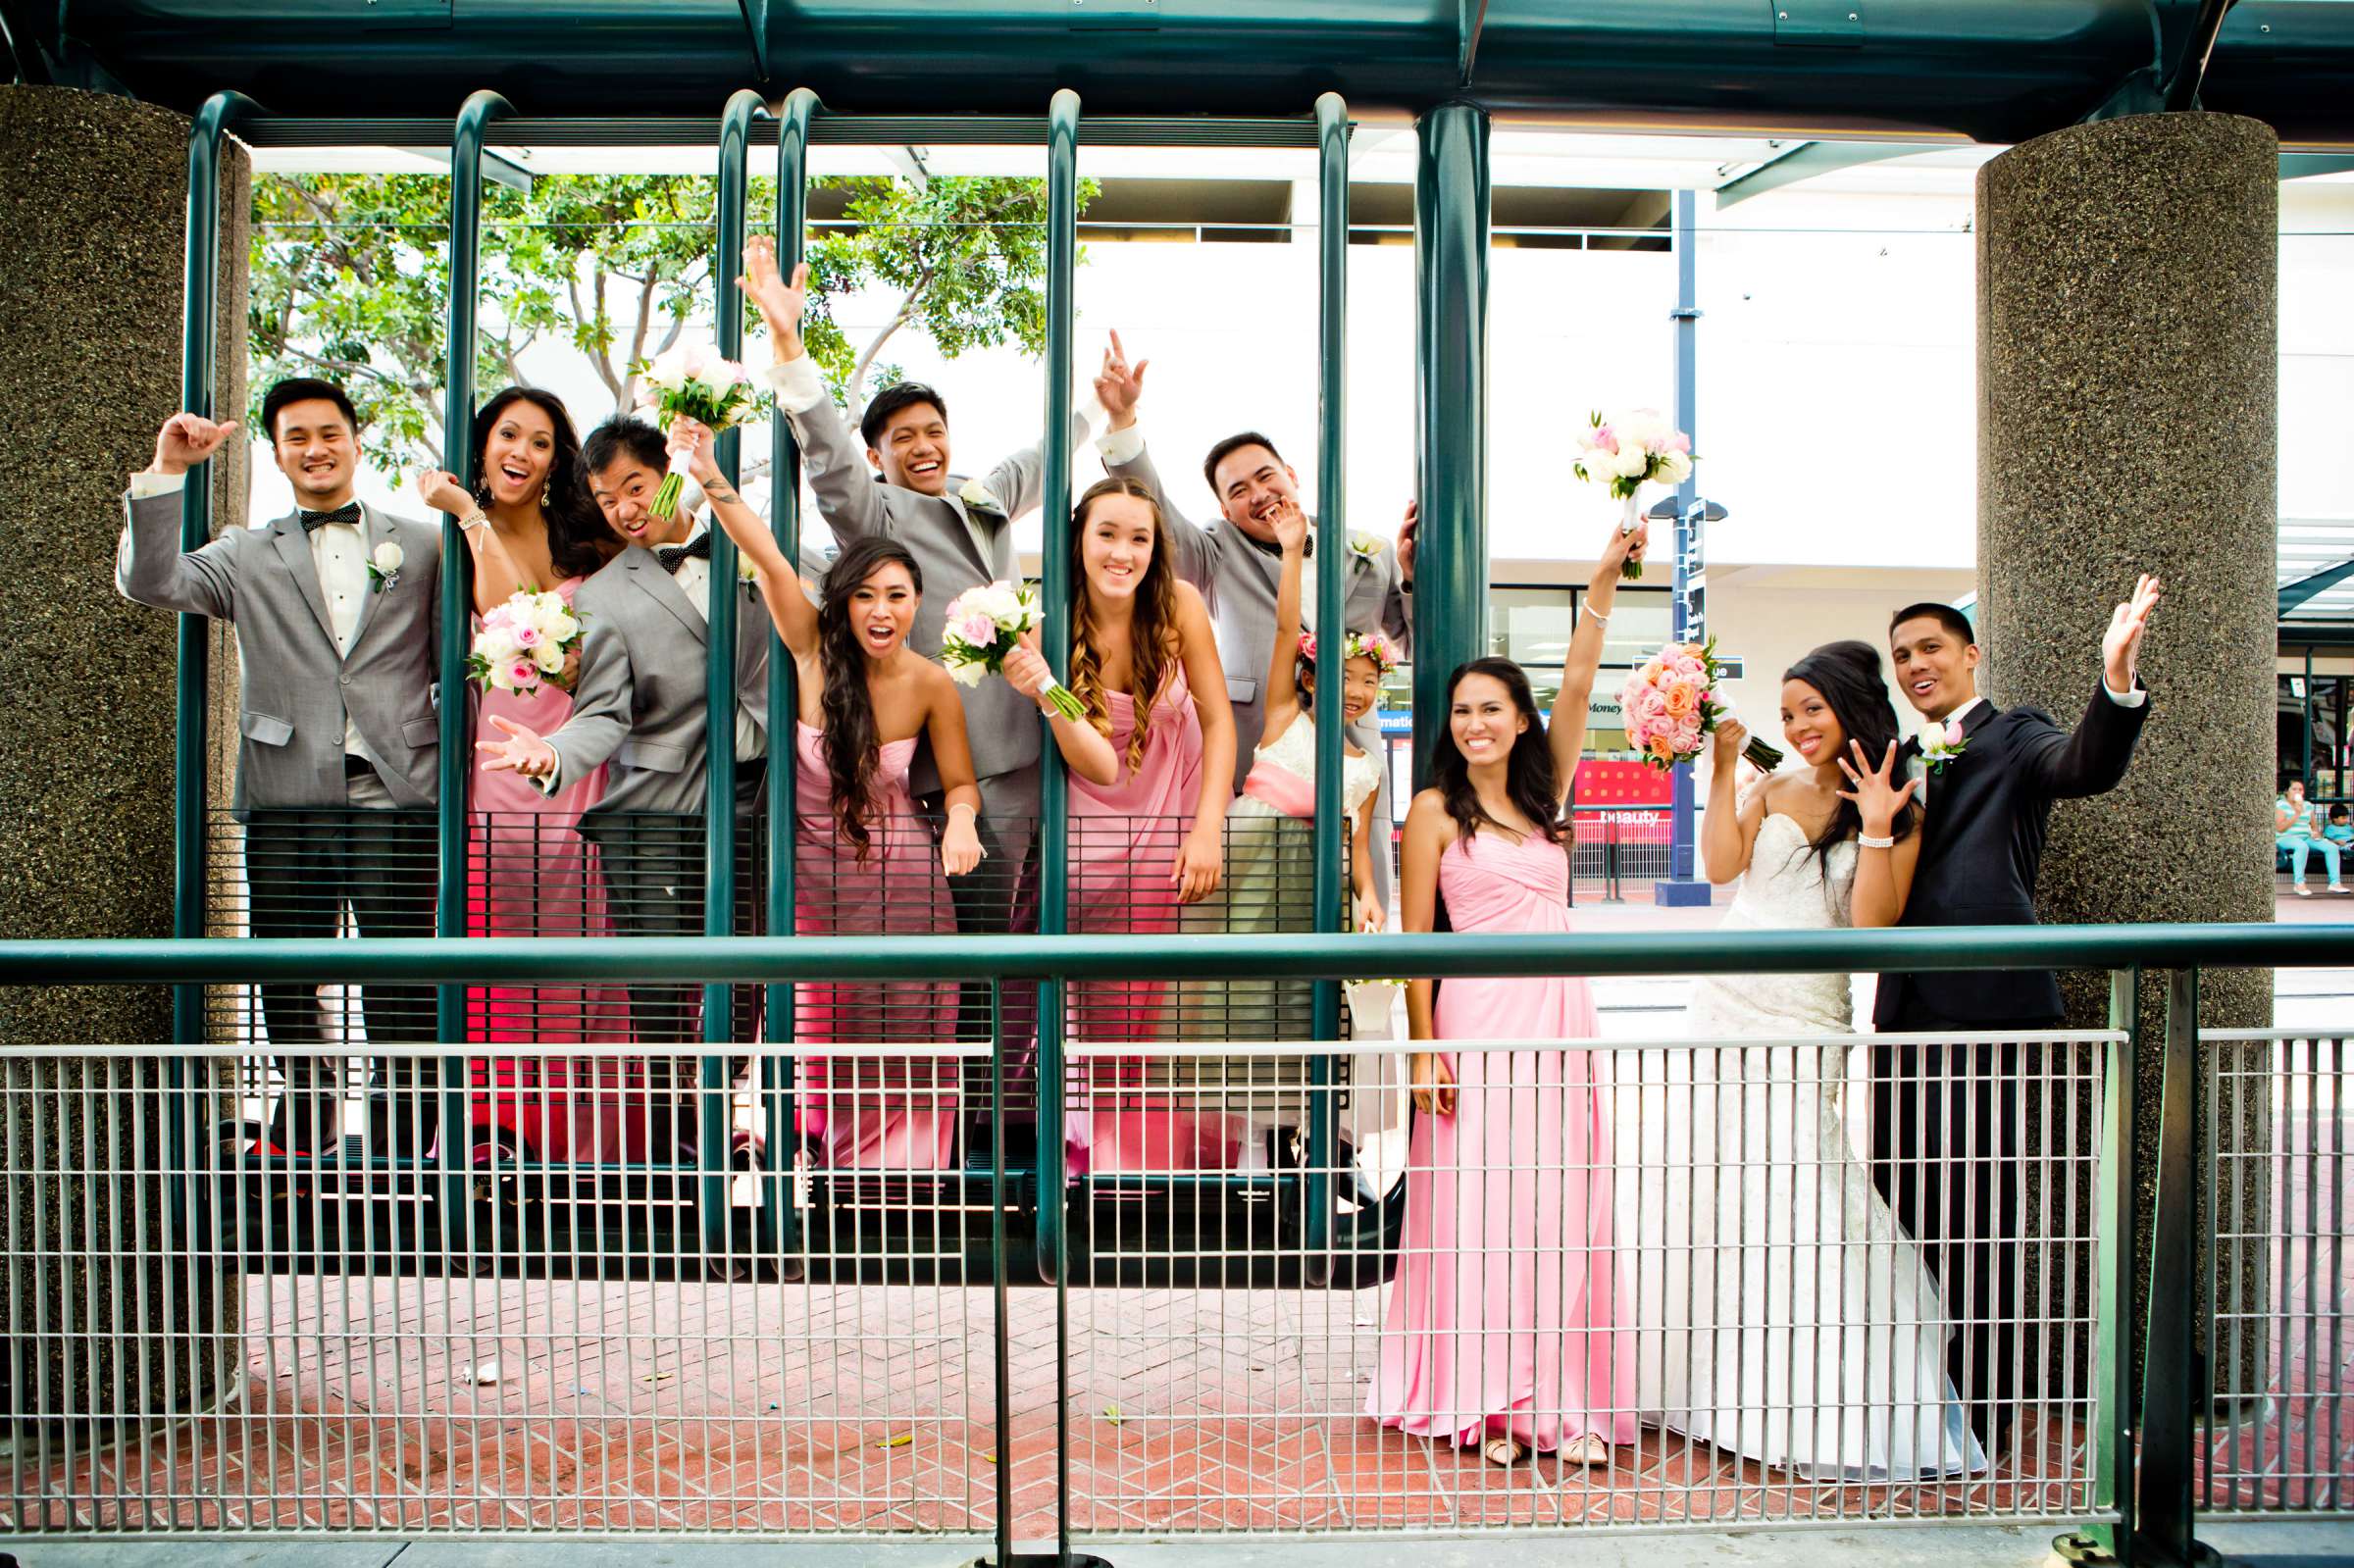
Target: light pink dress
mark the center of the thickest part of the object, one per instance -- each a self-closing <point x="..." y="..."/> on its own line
<point x="895" y="1113"/>
<point x="530" y="874"/>
<point x="1503" y="1320"/>
<point x="1124" y="843"/>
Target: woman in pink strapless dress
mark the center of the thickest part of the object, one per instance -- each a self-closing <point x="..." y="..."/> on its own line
<point x="1505" y="1326"/>
<point x="1148" y="798"/>
<point x="865" y="862"/>
<point x="531" y="525"/>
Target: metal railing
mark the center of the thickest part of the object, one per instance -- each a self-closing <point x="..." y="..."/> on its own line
<point x="602" y="1341"/>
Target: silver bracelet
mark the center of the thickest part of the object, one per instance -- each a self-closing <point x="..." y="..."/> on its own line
<point x="1596" y="615"/>
<point x="472" y="520"/>
<point x="1864" y="840"/>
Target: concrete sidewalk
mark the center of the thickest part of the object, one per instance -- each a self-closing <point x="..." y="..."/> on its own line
<point x="2267" y="1546"/>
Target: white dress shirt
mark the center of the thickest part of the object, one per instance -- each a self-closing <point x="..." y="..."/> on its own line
<point x="339" y="558"/>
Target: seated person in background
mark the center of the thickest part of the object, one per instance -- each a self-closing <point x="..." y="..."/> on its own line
<point x="2294" y="830"/>
<point x="640" y="711"/>
<point x="2341" y="826"/>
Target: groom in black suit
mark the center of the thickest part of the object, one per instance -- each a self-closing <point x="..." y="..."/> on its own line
<point x="1944" y="1155"/>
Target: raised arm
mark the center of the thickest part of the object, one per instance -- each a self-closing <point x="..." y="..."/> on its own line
<point x="1568" y="732"/>
<point x="1281" y="699"/>
<point x="2091" y="759"/>
<point x="150" y="566"/>
<point x="789" y="608"/>
<point x="496" y="576"/>
<point x="1398" y="600"/>
<point x="1730" y="828"/>
<point x="848" y="496"/>
<point x="1883" y="869"/>
<point x="1119" y="388"/>
<point x="1202" y="859"/>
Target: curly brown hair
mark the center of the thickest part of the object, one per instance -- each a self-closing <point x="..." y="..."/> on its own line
<point x="1152" y="634"/>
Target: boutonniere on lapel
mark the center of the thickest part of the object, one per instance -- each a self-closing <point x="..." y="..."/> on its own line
<point x="383" y="566"/>
<point x="1365" y="548"/>
<point x="1941" y="744"/>
<point x="976" y="497"/>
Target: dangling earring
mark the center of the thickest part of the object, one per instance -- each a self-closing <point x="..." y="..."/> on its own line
<point x="548" y="495"/>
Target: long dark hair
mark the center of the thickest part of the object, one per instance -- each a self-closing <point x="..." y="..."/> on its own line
<point x="1848" y="675"/>
<point x="577" y="540"/>
<point x="1530" y="779"/>
<point x="1151" y="633"/>
<point x="852" y="748"/>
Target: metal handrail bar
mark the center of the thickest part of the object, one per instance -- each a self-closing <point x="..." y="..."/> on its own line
<point x="678" y="960"/>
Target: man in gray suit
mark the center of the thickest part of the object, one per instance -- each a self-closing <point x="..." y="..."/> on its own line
<point x="337" y="612"/>
<point x="892" y="478"/>
<point x="1237" y="565"/>
<point x="639" y="709"/>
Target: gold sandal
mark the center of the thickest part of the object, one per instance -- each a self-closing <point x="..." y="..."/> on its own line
<point x="1502" y="1451"/>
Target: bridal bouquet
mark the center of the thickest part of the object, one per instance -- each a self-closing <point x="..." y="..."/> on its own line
<point x="691" y="379"/>
<point x="1669" y="706"/>
<point x="986" y="624"/>
<point x="525" y="644"/>
<point x="1627" y="451"/>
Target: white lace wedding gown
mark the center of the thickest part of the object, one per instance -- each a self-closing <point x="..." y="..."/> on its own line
<point x="1782" y="1314"/>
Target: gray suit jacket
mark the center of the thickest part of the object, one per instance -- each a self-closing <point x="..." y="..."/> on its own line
<point x="639" y="703"/>
<point x="295" y="690"/>
<point x="1239" y="580"/>
<point x="1001" y="723"/>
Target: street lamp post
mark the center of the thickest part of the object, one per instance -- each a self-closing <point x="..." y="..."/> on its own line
<point x="1688" y="622"/>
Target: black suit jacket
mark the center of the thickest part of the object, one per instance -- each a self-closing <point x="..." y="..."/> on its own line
<point x="1982" y="844"/>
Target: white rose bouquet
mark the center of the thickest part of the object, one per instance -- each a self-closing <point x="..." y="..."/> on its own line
<point x="986" y="624"/>
<point x="1626" y="451"/>
<point x="691" y="379"/>
<point x="525" y="643"/>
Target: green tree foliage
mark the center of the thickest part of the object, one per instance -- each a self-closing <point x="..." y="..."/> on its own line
<point x="350" y="280"/>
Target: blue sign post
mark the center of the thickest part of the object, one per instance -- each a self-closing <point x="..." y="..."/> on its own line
<point x="1688" y="598"/>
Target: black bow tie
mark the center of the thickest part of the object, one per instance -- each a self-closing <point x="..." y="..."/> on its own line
<point x="348" y="514"/>
<point x="698" y="548"/>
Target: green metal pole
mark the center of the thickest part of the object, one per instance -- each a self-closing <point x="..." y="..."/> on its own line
<point x="1054" y="557"/>
<point x="199" y="317"/>
<point x="457" y="612"/>
<point x="1332" y="548"/>
<point x="719" y="691"/>
<point x="2172" y="1387"/>
<point x="784" y="702"/>
<point x="1451" y="344"/>
<point x="2111" y="1436"/>
<point x="2306" y="771"/>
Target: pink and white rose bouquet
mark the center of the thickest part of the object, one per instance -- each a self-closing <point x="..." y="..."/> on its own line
<point x="986" y="624"/>
<point x="1670" y="707"/>
<point x="691" y="379"/>
<point x="1624" y="452"/>
<point x="525" y="643"/>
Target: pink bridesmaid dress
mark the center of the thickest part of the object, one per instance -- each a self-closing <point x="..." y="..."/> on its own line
<point x="876" y="1113"/>
<point x="1502" y="1319"/>
<point x="1124" y="838"/>
<point x="532" y="874"/>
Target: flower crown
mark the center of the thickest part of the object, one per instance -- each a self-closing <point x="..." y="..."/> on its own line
<point x="1360" y="645"/>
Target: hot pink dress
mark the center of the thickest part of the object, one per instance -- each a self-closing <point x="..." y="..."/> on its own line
<point x="1124" y="843"/>
<point x="899" y="1112"/>
<point x="530" y="874"/>
<point x="1503" y="1320"/>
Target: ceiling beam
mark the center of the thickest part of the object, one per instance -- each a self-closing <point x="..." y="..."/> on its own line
<point x="2296" y="595"/>
<point x="1470" y="16"/>
<point x="1805" y="159"/>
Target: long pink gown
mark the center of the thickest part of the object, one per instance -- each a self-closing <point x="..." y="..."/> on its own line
<point x="1503" y="1320"/>
<point x="530" y="874"/>
<point x="890" y="1113"/>
<point x="1124" y="842"/>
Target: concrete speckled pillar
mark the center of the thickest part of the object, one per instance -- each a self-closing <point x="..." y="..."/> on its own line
<point x="123" y="1317"/>
<point x="2127" y="354"/>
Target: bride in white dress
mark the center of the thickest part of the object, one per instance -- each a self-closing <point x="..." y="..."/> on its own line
<point x="1782" y="1313"/>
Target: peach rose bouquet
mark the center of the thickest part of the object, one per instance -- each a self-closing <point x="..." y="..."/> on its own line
<point x="1670" y="707"/>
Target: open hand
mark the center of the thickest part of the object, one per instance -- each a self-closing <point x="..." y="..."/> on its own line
<point x="780" y="300"/>
<point x="1195" y="874"/>
<point x="523" y="751"/>
<point x="188" y="439"/>
<point x="1433" y="1084"/>
<point x="2121" y="646"/>
<point x="1290" y="524"/>
<point x="1877" y="800"/>
<point x="1405" y="543"/>
<point x="1118" y="387"/>
<point x="440" y="490"/>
